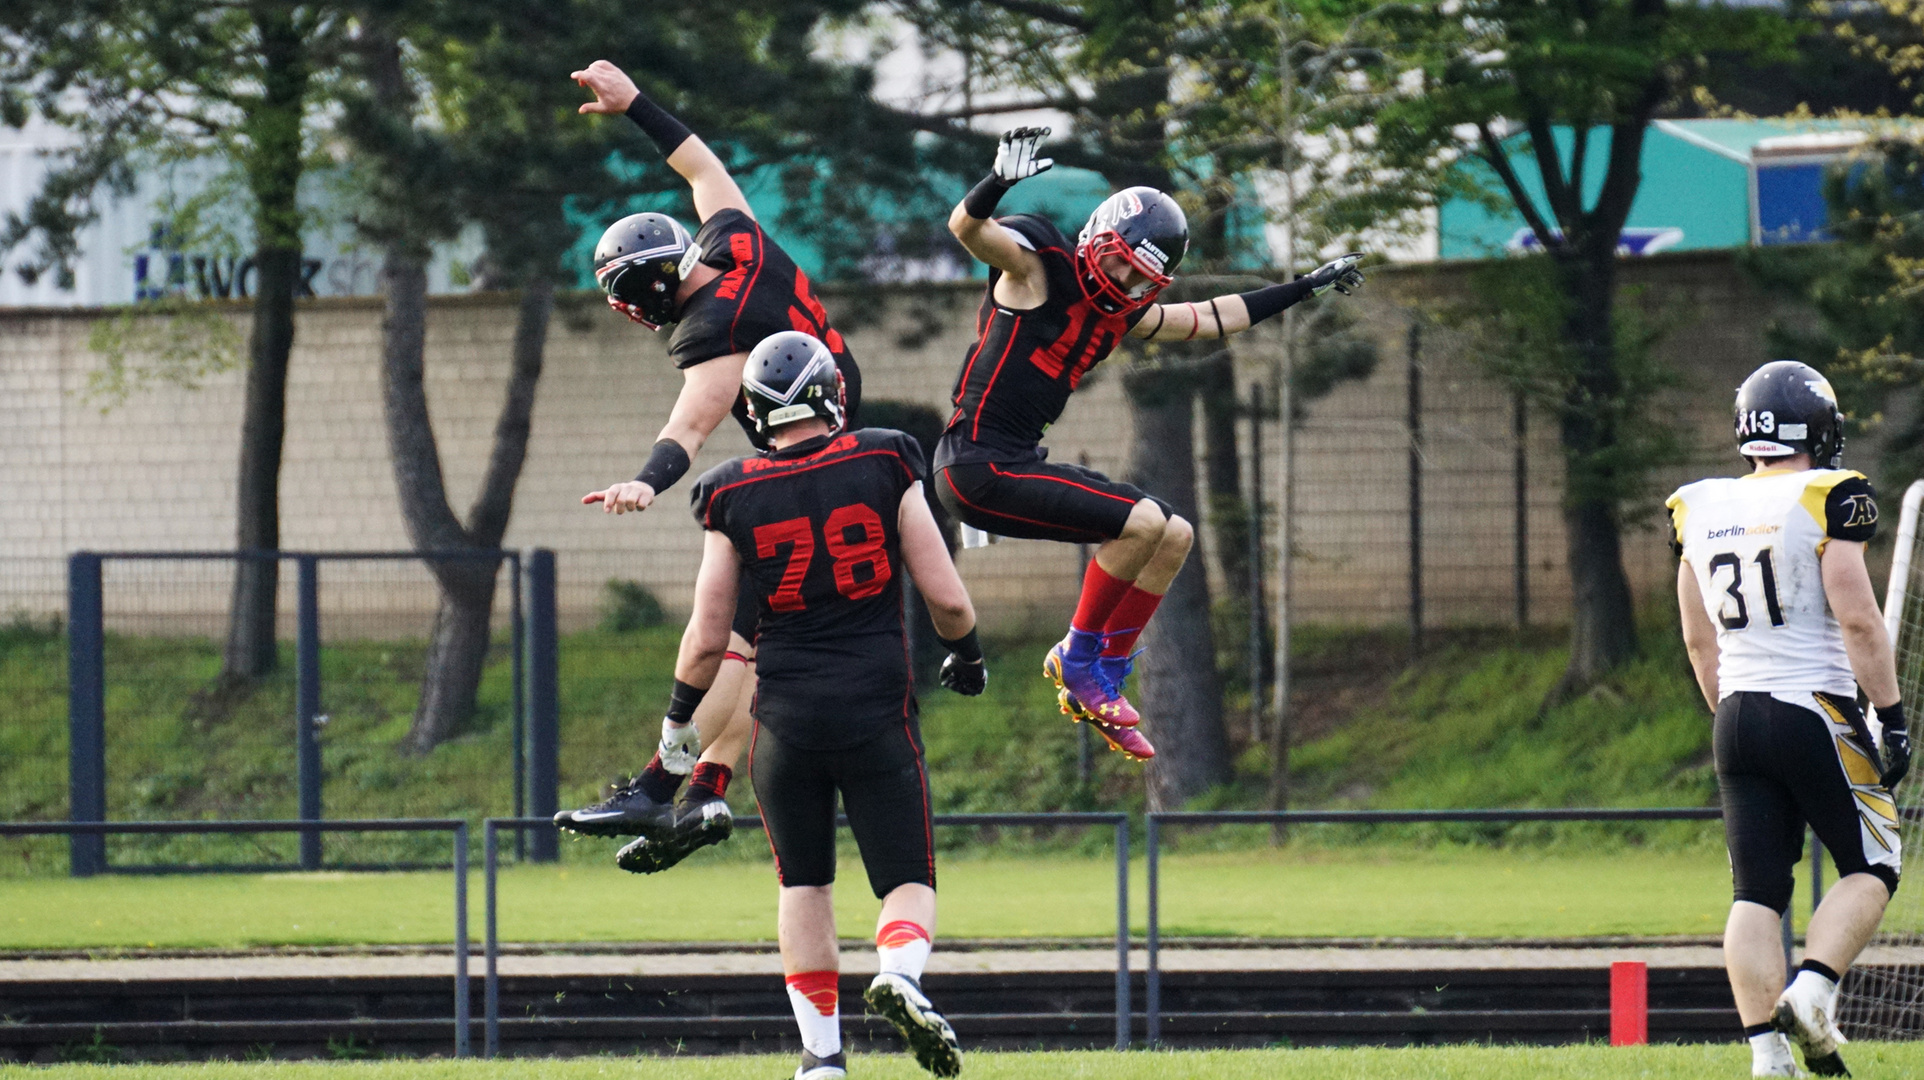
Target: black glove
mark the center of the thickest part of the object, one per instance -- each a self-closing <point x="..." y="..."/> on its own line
<point x="965" y="677"/>
<point x="1897" y="745"/>
<point x="1339" y="274"/>
<point x="1897" y="758"/>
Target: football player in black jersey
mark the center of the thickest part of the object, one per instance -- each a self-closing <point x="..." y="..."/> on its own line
<point x="724" y="289"/>
<point x="1052" y="311"/>
<point x="820" y="528"/>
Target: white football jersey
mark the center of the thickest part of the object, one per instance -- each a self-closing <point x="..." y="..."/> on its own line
<point x="1754" y="544"/>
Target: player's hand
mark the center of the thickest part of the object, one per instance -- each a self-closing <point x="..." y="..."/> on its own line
<point x="1339" y="274"/>
<point x="614" y="91"/>
<point x="1015" y="156"/>
<point x="680" y="746"/>
<point x="964" y="677"/>
<point x="1897" y="758"/>
<point x="629" y="496"/>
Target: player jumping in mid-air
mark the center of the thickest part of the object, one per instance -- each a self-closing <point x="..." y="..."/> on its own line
<point x="1782" y="628"/>
<point x="1054" y="310"/>
<point x="821" y="528"/>
<point x="726" y="288"/>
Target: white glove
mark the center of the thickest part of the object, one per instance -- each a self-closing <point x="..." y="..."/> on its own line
<point x="680" y="746"/>
<point x="1339" y="274"/>
<point x="1015" y="157"/>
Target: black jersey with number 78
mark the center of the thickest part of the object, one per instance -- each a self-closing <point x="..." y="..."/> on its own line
<point x="816" y="528"/>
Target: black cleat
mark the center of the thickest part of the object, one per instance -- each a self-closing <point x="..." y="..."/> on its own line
<point x="832" y="1067"/>
<point x="899" y="1000"/>
<point x="627" y="811"/>
<point x="697" y="825"/>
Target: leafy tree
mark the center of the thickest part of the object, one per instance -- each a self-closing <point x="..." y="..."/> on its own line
<point x="234" y="82"/>
<point x="463" y="115"/>
<point x="1511" y="73"/>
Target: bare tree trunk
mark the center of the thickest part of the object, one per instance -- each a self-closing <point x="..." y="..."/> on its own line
<point x="250" y="652"/>
<point x="458" y="650"/>
<point x="274" y="173"/>
<point x="1181" y="692"/>
<point x="1604" y="630"/>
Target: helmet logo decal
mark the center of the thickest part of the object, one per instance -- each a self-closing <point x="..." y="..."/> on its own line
<point x="1821" y="387"/>
<point x="1793" y="431"/>
<point x="1755" y="422"/>
<point x="1151" y="254"/>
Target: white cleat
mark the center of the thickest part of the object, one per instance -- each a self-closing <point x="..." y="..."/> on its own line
<point x="1806" y="1018"/>
<point x="900" y="1001"/>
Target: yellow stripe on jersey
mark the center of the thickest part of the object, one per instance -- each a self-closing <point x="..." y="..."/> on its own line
<point x="1817" y="492"/>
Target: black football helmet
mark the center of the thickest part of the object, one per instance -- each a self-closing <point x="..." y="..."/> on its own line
<point x="638" y="263"/>
<point x="1142" y="225"/>
<point x="1787" y="408"/>
<point x="792" y="376"/>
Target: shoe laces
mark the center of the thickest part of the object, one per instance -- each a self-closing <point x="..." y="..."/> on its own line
<point x="1113" y="671"/>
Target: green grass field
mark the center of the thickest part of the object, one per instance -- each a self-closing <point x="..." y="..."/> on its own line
<point x="1867" y="1060"/>
<point x="1294" y="892"/>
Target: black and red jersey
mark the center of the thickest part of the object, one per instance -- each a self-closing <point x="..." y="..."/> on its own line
<point x="760" y="292"/>
<point x="816" y="528"/>
<point x="1018" y="377"/>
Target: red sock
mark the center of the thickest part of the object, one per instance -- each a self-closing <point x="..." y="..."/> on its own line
<point x="710" y="781"/>
<point x="1101" y="591"/>
<point x="1125" y="623"/>
<point x="659" y="784"/>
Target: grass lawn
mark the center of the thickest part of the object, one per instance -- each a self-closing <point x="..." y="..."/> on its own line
<point x="1868" y="1060"/>
<point x="1298" y="891"/>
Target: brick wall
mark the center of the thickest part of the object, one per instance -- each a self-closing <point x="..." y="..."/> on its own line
<point x="158" y="471"/>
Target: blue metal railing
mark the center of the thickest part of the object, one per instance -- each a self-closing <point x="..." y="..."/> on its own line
<point x="463" y="1019"/>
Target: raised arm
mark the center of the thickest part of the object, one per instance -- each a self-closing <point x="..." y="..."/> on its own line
<point x="1232" y="313"/>
<point x="988" y="241"/>
<point x="615" y="93"/>
<point x="927" y="555"/>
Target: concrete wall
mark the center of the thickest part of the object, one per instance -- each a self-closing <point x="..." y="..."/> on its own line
<point x="158" y="471"/>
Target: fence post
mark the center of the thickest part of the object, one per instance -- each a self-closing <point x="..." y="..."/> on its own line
<point x="307" y="705"/>
<point x="1414" y="381"/>
<point x="463" y="1017"/>
<point x="1122" y="933"/>
<point x="491" y="940"/>
<point x="517" y="671"/>
<point x="86" y="713"/>
<point x="1152" y="977"/>
<point x="544" y="702"/>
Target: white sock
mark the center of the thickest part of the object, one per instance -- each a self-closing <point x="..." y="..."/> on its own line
<point x="1770" y="1054"/>
<point x="904" y="948"/>
<point x="816" y="1001"/>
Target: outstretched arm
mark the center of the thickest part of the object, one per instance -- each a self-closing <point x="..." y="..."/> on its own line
<point x="988" y="241"/>
<point x="1205" y="320"/>
<point x="714" y="189"/>
<point x="708" y="391"/>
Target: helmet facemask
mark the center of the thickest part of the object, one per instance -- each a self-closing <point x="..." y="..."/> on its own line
<point x="1105" y="291"/>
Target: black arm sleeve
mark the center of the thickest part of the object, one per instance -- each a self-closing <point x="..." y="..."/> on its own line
<point x="980" y="202"/>
<point x="1850" y="510"/>
<point x="667" y="463"/>
<point x="668" y="132"/>
<point x="1269" y="302"/>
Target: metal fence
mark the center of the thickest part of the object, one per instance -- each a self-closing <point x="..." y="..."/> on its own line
<point x="463" y="1019"/>
<point x="1155" y="823"/>
<point x="492" y="828"/>
<point x="124" y="686"/>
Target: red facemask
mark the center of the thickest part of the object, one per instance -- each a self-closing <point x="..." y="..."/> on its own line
<point x="1101" y="289"/>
